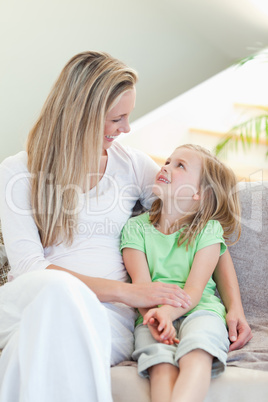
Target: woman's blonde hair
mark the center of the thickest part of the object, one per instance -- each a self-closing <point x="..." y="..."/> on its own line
<point x="218" y="201"/>
<point x="65" y="144"/>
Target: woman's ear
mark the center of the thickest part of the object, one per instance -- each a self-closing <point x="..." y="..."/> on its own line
<point x="196" y="197"/>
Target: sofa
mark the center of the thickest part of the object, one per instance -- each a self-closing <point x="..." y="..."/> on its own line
<point x="246" y="376"/>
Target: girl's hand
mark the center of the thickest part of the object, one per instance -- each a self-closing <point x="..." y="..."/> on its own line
<point x="239" y="331"/>
<point x="155" y="333"/>
<point x="161" y="326"/>
<point x="151" y="294"/>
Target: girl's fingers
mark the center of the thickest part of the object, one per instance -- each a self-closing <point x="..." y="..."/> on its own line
<point x="149" y="316"/>
<point x="153" y="322"/>
<point x="171" y="341"/>
<point x="162" y="326"/>
<point x="168" y="332"/>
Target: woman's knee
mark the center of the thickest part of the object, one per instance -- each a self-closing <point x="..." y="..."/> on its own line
<point x="48" y="285"/>
<point x="57" y="281"/>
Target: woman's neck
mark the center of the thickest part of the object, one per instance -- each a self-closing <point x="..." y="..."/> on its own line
<point x="96" y="177"/>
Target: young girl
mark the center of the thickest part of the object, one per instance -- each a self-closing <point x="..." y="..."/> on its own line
<point x="180" y="241"/>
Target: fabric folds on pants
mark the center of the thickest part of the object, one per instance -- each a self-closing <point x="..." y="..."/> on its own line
<point x="56" y="339"/>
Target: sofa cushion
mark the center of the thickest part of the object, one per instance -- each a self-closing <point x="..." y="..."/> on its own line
<point x="250" y="257"/>
<point x="235" y="384"/>
<point x="4" y="265"/>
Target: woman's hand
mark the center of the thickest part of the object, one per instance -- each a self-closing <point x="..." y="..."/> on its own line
<point x="239" y="330"/>
<point x="143" y="293"/>
<point x="160" y="325"/>
<point x="151" y="294"/>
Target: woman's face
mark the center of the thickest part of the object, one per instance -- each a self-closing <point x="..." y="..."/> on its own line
<point x="117" y="118"/>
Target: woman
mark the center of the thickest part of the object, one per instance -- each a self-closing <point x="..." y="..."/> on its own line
<point x="63" y="205"/>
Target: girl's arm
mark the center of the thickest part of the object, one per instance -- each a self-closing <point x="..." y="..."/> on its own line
<point x="136" y="264"/>
<point x="203" y="266"/>
<point x="227" y="284"/>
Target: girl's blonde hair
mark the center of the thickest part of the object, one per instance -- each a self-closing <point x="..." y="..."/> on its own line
<point x="65" y="144"/>
<point x="218" y="201"/>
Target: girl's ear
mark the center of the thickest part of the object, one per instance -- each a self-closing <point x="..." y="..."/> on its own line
<point x="196" y="197"/>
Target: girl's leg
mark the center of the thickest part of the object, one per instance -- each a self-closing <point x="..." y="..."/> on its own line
<point x="56" y="340"/>
<point x="157" y="361"/>
<point x="201" y="353"/>
<point x="194" y="379"/>
<point x="162" y="379"/>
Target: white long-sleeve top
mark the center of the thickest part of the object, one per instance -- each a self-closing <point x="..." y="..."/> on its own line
<point x="129" y="176"/>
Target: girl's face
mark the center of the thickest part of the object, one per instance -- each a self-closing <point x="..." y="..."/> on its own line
<point x="116" y="121"/>
<point x="179" y="178"/>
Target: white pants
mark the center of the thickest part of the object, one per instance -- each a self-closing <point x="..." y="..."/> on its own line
<point x="56" y="338"/>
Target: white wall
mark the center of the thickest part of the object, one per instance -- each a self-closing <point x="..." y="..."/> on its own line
<point x="209" y="106"/>
<point x="39" y="36"/>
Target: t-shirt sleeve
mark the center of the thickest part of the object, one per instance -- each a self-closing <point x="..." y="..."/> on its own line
<point x="211" y="234"/>
<point x="132" y="235"/>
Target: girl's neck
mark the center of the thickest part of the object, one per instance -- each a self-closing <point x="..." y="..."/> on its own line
<point x="173" y="214"/>
<point x="167" y="220"/>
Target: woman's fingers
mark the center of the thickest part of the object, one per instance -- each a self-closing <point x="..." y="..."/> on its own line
<point x="151" y="294"/>
<point x="174" y="292"/>
<point x="156" y="293"/>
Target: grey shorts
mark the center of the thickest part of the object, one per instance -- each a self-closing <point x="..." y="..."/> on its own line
<point x="200" y="330"/>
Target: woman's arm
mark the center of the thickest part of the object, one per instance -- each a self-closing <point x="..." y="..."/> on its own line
<point x="25" y="251"/>
<point x="228" y="287"/>
<point x="136" y="264"/>
<point x="140" y="295"/>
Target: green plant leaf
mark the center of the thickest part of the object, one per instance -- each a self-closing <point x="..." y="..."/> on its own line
<point x="222" y="145"/>
<point x="252" y="128"/>
<point x="247" y="132"/>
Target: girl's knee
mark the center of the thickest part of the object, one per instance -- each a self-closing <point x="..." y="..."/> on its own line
<point x="195" y="358"/>
<point x="163" y="369"/>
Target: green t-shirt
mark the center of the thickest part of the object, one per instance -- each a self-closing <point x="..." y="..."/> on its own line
<point x="169" y="263"/>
